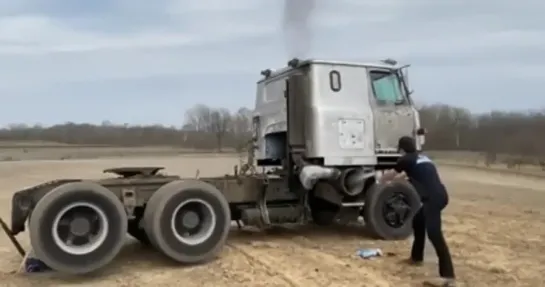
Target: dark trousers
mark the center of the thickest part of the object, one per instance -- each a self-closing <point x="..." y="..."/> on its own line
<point x="428" y="219"/>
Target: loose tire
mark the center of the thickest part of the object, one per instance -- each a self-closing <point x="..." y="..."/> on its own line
<point x="78" y="227"/>
<point x="192" y="207"/>
<point x="383" y="220"/>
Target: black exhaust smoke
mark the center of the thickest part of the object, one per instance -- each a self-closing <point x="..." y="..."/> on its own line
<point x="296" y="26"/>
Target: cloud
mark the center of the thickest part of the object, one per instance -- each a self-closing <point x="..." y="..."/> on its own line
<point x="44" y="35"/>
<point x="191" y="6"/>
<point x="117" y="52"/>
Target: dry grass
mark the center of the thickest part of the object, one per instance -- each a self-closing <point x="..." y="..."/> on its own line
<point x="477" y="160"/>
<point x="495" y="226"/>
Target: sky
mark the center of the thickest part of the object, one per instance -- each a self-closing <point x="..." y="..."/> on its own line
<point x="147" y="62"/>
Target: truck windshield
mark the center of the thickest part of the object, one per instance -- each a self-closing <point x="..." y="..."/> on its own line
<point x="387" y="87"/>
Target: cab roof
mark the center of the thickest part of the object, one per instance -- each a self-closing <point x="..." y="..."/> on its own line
<point x="300" y="63"/>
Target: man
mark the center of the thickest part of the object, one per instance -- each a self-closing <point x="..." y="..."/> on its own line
<point x="422" y="173"/>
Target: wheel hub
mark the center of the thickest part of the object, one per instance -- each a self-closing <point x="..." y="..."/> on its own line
<point x="396" y="210"/>
<point x="193" y="221"/>
<point x="190" y="219"/>
<point x="80" y="226"/>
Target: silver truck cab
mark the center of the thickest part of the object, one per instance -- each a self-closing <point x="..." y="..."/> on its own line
<point x="355" y="113"/>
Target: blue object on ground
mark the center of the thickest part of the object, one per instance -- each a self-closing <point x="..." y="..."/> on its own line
<point x="369" y="253"/>
<point x="33" y="265"/>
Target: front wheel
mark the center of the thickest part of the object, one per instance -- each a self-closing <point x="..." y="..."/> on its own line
<point x="389" y="210"/>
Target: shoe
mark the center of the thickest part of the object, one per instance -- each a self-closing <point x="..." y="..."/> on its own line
<point x="412" y="262"/>
<point x="441" y="282"/>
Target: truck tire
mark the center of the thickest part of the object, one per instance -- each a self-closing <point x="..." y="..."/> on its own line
<point x="78" y="227"/>
<point x="389" y="210"/>
<point x="322" y="211"/>
<point x="188" y="221"/>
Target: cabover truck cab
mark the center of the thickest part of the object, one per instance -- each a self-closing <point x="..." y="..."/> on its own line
<point x="353" y="115"/>
<point x="323" y="131"/>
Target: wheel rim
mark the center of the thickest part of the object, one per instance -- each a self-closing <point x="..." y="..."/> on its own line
<point x="80" y="228"/>
<point x="193" y="221"/>
<point x="396" y="210"/>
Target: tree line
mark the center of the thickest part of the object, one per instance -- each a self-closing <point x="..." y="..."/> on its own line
<point x="204" y="127"/>
<point x="454" y="128"/>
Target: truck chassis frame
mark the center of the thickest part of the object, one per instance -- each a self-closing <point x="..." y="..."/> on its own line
<point x="139" y="202"/>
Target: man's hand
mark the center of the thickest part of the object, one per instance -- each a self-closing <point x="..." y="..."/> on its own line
<point x="387" y="175"/>
<point x="400" y="176"/>
<point x="392" y="175"/>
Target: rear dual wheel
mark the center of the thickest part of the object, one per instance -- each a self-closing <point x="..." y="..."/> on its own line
<point x="78" y="227"/>
<point x="188" y="221"/>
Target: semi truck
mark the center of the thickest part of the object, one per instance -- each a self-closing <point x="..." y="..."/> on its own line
<point x="323" y="132"/>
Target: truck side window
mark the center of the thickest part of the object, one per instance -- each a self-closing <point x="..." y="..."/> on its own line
<point x="386" y="88"/>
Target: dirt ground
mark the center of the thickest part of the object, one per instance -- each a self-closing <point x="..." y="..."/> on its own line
<point x="495" y="226"/>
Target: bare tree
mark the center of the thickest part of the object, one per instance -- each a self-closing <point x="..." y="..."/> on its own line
<point x="221" y="124"/>
<point x="461" y="121"/>
<point x="199" y="118"/>
<point x="242" y="121"/>
<point x="242" y="128"/>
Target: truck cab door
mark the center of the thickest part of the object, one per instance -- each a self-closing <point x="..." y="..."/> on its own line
<point x="393" y="111"/>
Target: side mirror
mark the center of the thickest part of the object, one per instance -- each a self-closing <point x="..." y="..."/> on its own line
<point x="404" y="73"/>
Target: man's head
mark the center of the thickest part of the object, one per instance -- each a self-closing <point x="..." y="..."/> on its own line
<point x="406" y="144"/>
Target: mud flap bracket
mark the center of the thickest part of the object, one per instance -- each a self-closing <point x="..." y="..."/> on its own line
<point x="262" y="203"/>
<point x="12" y="238"/>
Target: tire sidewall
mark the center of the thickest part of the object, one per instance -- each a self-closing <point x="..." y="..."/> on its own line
<point x="41" y="225"/>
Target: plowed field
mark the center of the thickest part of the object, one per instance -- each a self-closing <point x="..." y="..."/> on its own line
<point x="495" y="226"/>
